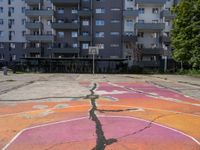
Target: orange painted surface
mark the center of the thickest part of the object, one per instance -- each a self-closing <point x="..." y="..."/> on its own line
<point x="183" y="116"/>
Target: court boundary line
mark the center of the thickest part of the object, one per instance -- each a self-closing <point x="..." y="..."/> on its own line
<point x="100" y="116"/>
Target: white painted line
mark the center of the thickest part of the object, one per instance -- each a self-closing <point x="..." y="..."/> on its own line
<point x="38" y="126"/>
<point x="64" y="121"/>
<point x="195" y="140"/>
<point x="156" y="96"/>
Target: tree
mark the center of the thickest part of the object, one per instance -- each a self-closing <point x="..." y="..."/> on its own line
<point x="186" y="32"/>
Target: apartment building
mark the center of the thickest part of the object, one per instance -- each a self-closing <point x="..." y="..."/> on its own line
<point x="12" y="30"/>
<point x="136" y="30"/>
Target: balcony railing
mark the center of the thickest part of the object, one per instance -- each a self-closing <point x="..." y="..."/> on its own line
<point x="165" y="39"/>
<point x="129" y="37"/>
<point x="154" y="2"/>
<point x="66" y="26"/>
<point x="167" y="14"/>
<point x="130" y="13"/>
<point x="40" y="38"/>
<point x="87" y="38"/>
<point x="65" y="2"/>
<point x="33" y="2"/>
<point x="152" y="51"/>
<point x="150" y="26"/>
<point x="147" y="63"/>
<point x="65" y="49"/>
<point x="34" y="25"/>
<point x="42" y="12"/>
<point x="33" y="50"/>
<point x="85" y="13"/>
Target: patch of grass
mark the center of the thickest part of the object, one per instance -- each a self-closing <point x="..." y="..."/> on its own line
<point x="191" y="72"/>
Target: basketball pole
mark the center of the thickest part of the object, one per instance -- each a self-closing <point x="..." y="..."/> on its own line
<point x="93" y="64"/>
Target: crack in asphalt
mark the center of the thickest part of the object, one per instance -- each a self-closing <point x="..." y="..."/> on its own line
<point x="149" y="125"/>
<point x="16" y="87"/>
<point x="118" y="110"/>
<point x="101" y="141"/>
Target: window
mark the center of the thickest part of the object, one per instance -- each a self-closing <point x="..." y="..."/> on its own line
<point x="154" y="35"/>
<point x="101" y="46"/>
<point x="155" y="10"/>
<point x="11" y="10"/>
<point x="167" y="22"/>
<point x="74" y="45"/>
<point x="115" y="21"/>
<point x="99" y="34"/>
<point x="129" y="8"/>
<point x="12" y="45"/>
<point x="140" y="46"/>
<point x="23" y="33"/>
<point x="114" y="33"/>
<point x="60" y="10"/>
<point x="140" y="34"/>
<point x="85" y="23"/>
<point x="85" y="33"/>
<point x="140" y="21"/>
<point x="100" y="11"/>
<point x="129" y="23"/>
<point x="14" y="57"/>
<point x="61" y="34"/>
<point x="153" y="45"/>
<point x="49" y="22"/>
<point x="114" y="45"/>
<point x="141" y="10"/>
<point x="85" y="46"/>
<point x="74" y="34"/>
<point x="74" y="11"/>
<point x="100" y="23"/>
<point x="1" y="9"/>
<point x="154" y="21"/>
<point x="1" y="45"/>
<point x="23" y="9"/>
<point x="23" y="21"/>
<point x="1" y="21"/>
<point x="115" y="9"/>
<point x="1" y="33"/>
<point x="49" y="32"/>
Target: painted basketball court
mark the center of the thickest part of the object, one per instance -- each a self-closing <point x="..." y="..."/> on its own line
<point x="113" y="115"/>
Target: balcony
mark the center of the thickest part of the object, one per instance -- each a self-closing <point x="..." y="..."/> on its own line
<point x="147" y="64"/>
<point x="65" y="2"/>
<point x="150" y="26"/>
<point x="68" y="50"/>
<point x="82" y="38"/>
<point x="40" y="38"/>
<point x="35" y="13"/>
<point x="130" y="13"/>
<point x="85" y="13"/>
<point x="65" y="26"/>
<point x="33" y="50"/>
<point x="167" y="14"/>
<point x="33" y="2"/>
<point x="153" y="2"/>
<point x="152" y="51"/>
<point x="129" y="38"/>
<point x="165" y="39"/>
<point x="34" y="25"/>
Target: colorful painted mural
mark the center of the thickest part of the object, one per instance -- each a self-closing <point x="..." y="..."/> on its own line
<point x="115" y="116"/>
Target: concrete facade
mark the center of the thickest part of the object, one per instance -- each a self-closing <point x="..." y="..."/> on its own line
<point x="134" y="29"/>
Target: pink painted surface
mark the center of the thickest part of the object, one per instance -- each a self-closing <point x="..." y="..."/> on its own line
<point x="119" y="128"/>
<point x="145" y="88"/>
